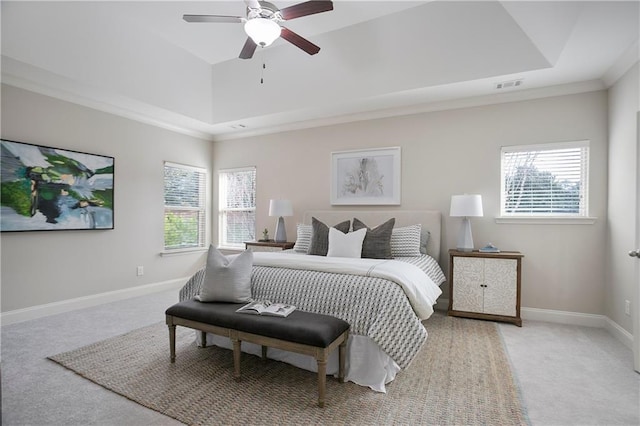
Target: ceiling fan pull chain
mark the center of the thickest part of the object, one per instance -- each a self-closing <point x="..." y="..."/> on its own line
<point x="264" y="66"/>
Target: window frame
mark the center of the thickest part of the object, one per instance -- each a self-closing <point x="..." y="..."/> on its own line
<point x="203" y="209"/>
<point x="222" y="223"/>
<point x="581" y="217"/>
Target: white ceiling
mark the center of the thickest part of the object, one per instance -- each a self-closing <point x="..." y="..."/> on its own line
<point x="378" y="58"/>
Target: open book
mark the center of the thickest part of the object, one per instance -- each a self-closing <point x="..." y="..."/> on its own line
<point x="264" y="307"/>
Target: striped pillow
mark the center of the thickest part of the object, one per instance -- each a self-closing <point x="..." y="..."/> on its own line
<point x="405" y="241"/>
<point x="303" y="239"/>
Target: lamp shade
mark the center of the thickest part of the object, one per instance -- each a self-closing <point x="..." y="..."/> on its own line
<point x="280" y="208"/>
<point x="467" y="205"/>
<point x="262" y="31"/>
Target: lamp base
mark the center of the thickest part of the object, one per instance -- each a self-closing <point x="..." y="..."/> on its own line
<point x="281" y="233"/>
<point x="465" y="239"/>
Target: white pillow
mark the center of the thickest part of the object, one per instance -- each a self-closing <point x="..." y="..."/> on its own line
<point x="346" y="245"/>
<point x="405" y="241"/>
<point x="227" y="279"/>
<point x="303" y="239"/>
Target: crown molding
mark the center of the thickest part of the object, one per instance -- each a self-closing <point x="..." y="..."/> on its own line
<point x="622" y="65"/>
<point x="27" y="77"/>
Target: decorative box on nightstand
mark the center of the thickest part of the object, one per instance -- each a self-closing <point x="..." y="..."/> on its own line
<point x="267" y="245"/>
<point x="485" y="285"/>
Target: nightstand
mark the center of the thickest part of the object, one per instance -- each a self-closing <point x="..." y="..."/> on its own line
<point x="485" y="285"/>
<point x="267" y="245"/>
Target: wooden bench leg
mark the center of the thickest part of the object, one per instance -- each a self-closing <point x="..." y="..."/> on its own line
<point x="342" y="352"/>
<point x="322" y="379"/>
<point x="236" y="357"/>
<point x="264" y="352"/>
<point x="203" y="338"/>
<point x="172" y="342"/>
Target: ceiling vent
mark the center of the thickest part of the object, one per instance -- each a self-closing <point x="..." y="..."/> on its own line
<point x="238" y="126"/>
<point x="509" y="84"/>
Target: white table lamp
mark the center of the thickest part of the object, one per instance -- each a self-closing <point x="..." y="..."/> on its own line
<point x="280" y="208"/>
<point x="465" y="206"/>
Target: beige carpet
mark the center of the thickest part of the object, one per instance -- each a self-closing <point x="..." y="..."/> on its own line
<point x="460" y="377"/>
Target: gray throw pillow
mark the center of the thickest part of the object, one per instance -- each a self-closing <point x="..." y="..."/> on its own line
<point x="320" y="236"/>
<point x="227" y="279"/>
<point x="377" y="242"/>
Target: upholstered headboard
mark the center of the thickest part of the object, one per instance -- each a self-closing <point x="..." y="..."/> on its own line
<point x="430" y="220"/>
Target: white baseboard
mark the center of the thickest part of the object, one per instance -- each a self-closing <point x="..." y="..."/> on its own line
<point x="571" y="318"/>
<point x="548" y="315"/>
<point x="619" y="333"/>
<point x="33" y="312"/>
<point x="563" y="317"/>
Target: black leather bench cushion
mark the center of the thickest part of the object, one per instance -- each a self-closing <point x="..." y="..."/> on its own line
<point x="299" y="327"/>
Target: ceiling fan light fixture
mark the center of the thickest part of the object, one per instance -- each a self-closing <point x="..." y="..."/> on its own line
<point x="262" y="31"/>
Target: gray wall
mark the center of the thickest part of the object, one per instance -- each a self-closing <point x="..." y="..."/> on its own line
<point x="45" y="267"/>
<point x="453" y="152"/>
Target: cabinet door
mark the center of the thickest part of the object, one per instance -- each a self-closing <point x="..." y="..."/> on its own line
<point x="468" y="275"/>
<point x="500" y="293"/>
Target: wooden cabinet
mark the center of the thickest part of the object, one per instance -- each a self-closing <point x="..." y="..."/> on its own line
<point x="485" y="285"/>
<point x="267" y="245"/>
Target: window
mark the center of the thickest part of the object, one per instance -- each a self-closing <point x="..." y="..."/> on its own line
<point x="185" y="215"/>
<point x="548" y="180"/>
<point x="237" y="207"/>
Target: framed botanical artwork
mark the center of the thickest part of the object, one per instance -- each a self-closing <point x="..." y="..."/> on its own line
<point x="52" y="189"/>
<point x="366" y="177"/>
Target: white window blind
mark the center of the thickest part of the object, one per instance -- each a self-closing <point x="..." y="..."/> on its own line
<point x="546" y="180"/>
<point x="185" y="218"/>
<point x="237" y="207"/>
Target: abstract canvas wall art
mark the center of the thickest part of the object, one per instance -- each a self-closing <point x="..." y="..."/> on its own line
<point x="45" y="189"/>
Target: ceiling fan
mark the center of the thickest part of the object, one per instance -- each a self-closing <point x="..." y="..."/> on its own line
<point x="263" y="20"/>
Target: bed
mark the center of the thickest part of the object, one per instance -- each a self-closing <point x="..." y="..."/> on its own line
<point x="384" y="301"/>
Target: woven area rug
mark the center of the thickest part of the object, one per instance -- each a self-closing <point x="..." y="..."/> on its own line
<point x="460" y="377"/>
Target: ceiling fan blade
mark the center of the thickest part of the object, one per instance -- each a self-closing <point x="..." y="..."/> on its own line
<point x="213" y="18"/>
<point x="248" y="49"/>
<point x="306" y="8"/>
<point x="252" y="4"/>
<point x="299" y="41"/>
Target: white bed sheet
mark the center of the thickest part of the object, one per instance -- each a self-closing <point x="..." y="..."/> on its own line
<point x="366" y="365"/>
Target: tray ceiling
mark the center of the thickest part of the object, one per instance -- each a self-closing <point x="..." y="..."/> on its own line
<point x="378" y="58"/>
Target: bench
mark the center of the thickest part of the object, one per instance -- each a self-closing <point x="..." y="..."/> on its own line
<point x="301" y="332"/>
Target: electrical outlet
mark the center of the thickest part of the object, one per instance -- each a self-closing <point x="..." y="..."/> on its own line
<point x="627" y="307"/>
<point x="140" y="270"/>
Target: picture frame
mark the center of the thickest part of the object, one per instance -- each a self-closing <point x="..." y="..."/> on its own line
<point x="366" y="177"/>
<point x="53" y="189"/>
